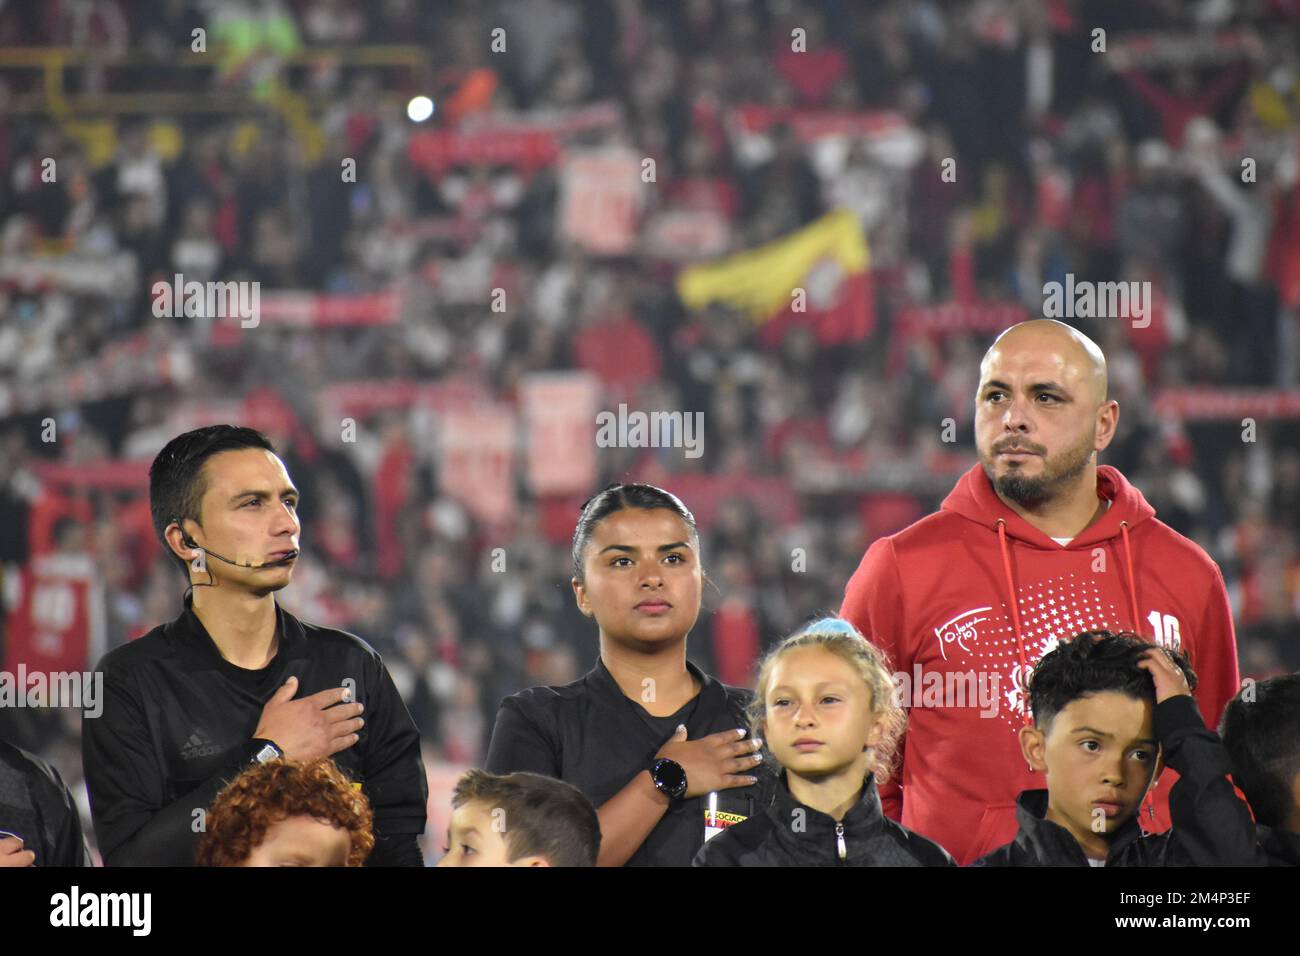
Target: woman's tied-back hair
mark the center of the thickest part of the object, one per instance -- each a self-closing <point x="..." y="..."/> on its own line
<point x="838" y="636"/>
<point x="268" y="793"/>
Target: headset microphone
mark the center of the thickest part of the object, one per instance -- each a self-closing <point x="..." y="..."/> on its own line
<point x="191" y="543"/>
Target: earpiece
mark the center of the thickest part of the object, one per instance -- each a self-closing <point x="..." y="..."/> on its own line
<point x="195" y="548"/>
<point x="185" y="535"/>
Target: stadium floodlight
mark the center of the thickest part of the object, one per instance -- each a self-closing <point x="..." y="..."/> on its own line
<point x="419" y="109"/>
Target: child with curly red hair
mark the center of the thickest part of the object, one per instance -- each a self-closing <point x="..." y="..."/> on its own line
<point x="288" y="813"/>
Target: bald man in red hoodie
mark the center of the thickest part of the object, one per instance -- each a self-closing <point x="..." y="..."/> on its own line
<point x="1035" y="544"/>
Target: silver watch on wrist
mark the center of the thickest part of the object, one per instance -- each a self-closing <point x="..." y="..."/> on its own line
<point x="267" y="751"/>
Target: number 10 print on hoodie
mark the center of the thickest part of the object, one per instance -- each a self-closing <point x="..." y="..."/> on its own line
<point x="967" y="600"/>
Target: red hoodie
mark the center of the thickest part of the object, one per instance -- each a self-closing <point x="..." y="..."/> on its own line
<point x="934" y="596"/>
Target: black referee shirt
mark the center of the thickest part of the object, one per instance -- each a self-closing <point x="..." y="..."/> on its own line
<point x="590" y="734"/>
<point x="177" y="724"/>
<point x="36" y="806"/>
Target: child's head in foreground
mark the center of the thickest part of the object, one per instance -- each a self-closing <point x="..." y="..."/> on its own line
<point x="520" y="819"/>
<point x="1093" y="704"/>
<point x="824" y="704"/>
<point x="288" y="813"/>
<point x="1261" y="732"/>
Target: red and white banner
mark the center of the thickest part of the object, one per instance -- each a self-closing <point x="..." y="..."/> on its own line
<point x="600" y="199"/>
<point x="1227" y="404"/>
<point x="1152" y="51"/>
<point x="436" y="151"/>
<point x="360" y="400"/>
<point x="948" y="318"/>
<point x="310" y="310"/>
<point x="559" y="410"/>
<point x="811" y="125"/>
<point x="263" y="408"/>
<point x="110" y="474"/>
<point x="687" y="235"/>
<point x="476" y="453"/>
<point x="523" y="141"/>
<point x="952" y="317"/>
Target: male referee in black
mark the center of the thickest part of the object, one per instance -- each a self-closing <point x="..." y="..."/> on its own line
<point x="236" y="679"/>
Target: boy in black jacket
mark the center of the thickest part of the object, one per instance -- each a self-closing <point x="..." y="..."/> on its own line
<point x="1261" y="733"/>
<point x="1109" y="710"/>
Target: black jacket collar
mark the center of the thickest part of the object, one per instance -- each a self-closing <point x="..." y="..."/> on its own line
<point x="809" y="836"/>
<point x="1050" y="844"/>
<point x="192" y="634"/>
<point x="712" y="695"/>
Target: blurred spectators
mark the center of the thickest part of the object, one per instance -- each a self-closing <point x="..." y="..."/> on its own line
<point x="457" y="274"/>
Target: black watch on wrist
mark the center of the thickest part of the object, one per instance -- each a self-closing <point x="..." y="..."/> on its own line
<point x="263" y="750"/>
<point x="669" y="778"/>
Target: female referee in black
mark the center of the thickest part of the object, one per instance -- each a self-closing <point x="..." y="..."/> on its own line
<point x="658" y="746"/>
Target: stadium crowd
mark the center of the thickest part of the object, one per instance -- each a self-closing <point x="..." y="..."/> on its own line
<point x="1122" y="165"/>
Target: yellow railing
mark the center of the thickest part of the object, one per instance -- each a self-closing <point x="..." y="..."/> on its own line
<point x="298" y="109"/>
<point x="54" y="62"/>
<point x="392" y="55"/>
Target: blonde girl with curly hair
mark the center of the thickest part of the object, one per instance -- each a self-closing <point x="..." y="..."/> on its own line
<point x="825" y="707"/>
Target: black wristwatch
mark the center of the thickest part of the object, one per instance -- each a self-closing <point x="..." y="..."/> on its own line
<point x="669" y="778"/>
<point x="264" y="750"/>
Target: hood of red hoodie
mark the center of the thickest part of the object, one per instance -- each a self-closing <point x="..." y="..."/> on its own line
<point x="974" y="498"/>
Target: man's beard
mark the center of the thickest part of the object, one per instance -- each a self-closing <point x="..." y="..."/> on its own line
<point x="1058" y="473"/>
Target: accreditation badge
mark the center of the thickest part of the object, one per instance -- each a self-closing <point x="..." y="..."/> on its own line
<point x="715" y="820"/>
